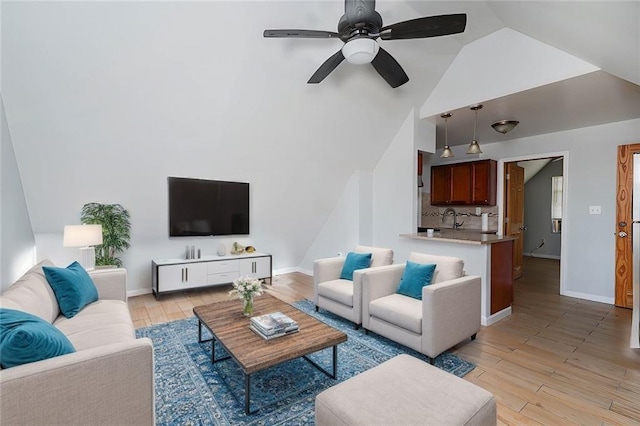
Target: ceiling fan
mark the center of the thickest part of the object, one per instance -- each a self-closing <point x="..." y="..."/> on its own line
<point x="359" y="28"/>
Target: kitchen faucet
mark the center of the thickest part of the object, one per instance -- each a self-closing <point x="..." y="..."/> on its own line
<point x="455" y="217"/>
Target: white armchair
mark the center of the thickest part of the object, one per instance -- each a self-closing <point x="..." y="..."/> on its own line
<point x="344" y="297"/>
<point x="448" y="313"/>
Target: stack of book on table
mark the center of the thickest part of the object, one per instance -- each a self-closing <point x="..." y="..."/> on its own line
<point x="275" y="324"/>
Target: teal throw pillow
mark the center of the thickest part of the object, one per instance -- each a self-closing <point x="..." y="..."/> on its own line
<point x="414" y="277"/>
<point x="26" y="338"/>
<point x="73" y="287"/>
<point x="353" y="262"/>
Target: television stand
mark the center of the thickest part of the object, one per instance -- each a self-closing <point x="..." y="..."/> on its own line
<point x="172" y="275"/>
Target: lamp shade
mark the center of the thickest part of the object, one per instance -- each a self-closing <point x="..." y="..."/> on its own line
<point x="360" y="50"/>
<point x="82" y="235"/>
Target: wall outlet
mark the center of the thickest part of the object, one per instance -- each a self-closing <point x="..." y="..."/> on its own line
<point x="595" y="210"/>
<point x="339" y="254"/>
<point x="478" y="210"/>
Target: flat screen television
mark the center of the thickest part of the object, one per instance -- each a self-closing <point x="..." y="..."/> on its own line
<point x="204" y="208"/>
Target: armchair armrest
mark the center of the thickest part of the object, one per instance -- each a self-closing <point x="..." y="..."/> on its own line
<point x="450" y="313"/>
<point x="326" y="270"/>
<point x="111" y="283"/>
<point x="112" y="384"/>
<point x="379" y="282"/>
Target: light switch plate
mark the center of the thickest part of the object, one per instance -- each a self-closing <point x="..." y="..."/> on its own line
<point x="478" y="210"/>
<point x="595" y="210"/>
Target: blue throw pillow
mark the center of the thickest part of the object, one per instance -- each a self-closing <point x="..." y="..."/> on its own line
<point x="73" y="287"/>
<point x="414" y="277"/>
<point x="354" y="261"/>
<point x="26" y="338"/>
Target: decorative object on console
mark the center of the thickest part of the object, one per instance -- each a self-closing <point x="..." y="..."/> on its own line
<point x="446" y="152"/>
<point x="237" y="248"/>
<point x="85" y="237"/>
<point x="504" y="126"/>
<point x="222" y="249"/>
<point x="246" y="288"/>
<point x="116" y="230"/>
<point x="474" y="148"/>
<point x="250" y="249"/>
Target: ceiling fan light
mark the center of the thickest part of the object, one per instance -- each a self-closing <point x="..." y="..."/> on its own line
<point x="360" y="50"/>
<point x="504" y="126"/>
<point x="474" y="148"/>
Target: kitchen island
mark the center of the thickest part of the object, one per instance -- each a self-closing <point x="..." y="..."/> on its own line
<point x="489" y="256"/>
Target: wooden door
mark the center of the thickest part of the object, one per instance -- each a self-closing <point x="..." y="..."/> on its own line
<point x="624" y="248"/>
<point x="514" y="212"/>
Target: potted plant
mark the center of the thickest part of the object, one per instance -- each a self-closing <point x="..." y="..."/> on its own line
<point x="116" y="229"/>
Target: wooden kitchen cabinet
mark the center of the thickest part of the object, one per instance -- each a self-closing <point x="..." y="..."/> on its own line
<point x="484" y="182"/>
<point x="470" y="183"/>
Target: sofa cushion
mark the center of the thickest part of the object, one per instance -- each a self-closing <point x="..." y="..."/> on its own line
<point x="414" y="277"/>
<point x="403" y="311"/>
<point x="379" y="256"/>
<point x="100" y="323"/>
<point x="26" y="338"/>
<point x="33" y="294"/>
<point x="339" y="290"/>
<point x="73" y="287"/>
<point x="353" y="262"/>
<point x="447" y="267"/>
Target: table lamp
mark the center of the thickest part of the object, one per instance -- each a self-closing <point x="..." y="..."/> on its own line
<point x="85" y="237"/>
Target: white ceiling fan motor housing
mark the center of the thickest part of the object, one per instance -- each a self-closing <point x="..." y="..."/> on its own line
<point x="360" y="50"/>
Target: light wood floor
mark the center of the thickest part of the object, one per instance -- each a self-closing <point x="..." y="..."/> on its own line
<point x="556" y="360"/>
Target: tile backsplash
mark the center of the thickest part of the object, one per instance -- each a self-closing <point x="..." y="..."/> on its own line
<point x="432" y="216"/>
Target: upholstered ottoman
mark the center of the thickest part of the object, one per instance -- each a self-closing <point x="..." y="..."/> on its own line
<point x="405" y="391"/>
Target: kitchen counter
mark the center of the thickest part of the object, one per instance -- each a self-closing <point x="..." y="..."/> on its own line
<point x="461" y="237"/>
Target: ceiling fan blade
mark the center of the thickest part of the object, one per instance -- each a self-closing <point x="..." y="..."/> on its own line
<point x="430" y="26"/>
<point x="389" y="69"/>
<point x="326" y="68"/>
<point x="300" y="34"/>
<point x="359" y="11"/>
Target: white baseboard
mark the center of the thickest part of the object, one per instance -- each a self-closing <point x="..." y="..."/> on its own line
<point x="591" y="297"/>
<point x="132" y="293"/>
<point x="544" y="256"/>
<point x="492" y="319"/>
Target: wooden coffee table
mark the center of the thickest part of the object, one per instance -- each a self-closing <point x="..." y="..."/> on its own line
<point x="252" y="353"/>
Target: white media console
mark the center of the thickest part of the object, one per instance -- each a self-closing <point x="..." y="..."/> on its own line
<point x="170" y="275"/>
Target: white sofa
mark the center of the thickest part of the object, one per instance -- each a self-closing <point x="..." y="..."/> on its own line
<point x="344" y="297"/>
<point x="109" y="380"/>
<point x="448" y="313"/>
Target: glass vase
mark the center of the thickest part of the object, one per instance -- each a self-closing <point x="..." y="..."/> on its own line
<point x="247" y="306"/>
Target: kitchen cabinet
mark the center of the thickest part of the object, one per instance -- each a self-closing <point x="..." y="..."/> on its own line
<point x="470" y="183"/>
<point x="484" y="182"/>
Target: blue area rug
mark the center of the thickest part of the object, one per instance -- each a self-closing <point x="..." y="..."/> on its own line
<point x="192" y="391"/>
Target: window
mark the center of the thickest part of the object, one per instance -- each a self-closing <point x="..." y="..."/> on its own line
<point x="556" y="203"/>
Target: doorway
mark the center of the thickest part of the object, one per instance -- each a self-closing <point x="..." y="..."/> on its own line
<point x="508" y="224"/>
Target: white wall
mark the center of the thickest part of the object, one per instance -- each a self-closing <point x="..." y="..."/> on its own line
<point x="107" y="99"/>
<point x="17" y="244"/>
<point x="348" y="224"/>
<point x="589" y="239"/>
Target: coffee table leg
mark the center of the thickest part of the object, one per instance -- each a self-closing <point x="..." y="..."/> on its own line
<point x="335" y="362"/>
<point x="247" y="393"/>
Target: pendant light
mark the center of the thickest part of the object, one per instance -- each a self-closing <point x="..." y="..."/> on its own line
<point x="474" y="148"/>
<point x="446" y="152"/>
